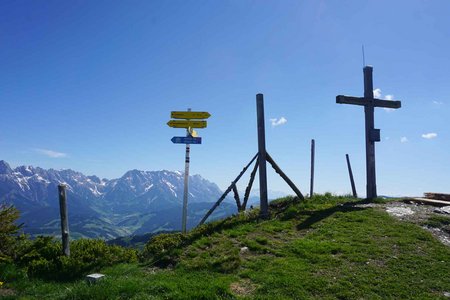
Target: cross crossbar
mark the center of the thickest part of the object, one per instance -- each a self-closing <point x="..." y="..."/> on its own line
<point x="368" y="102"/>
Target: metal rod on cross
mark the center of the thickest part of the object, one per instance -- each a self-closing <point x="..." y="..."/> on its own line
<point x="372" y="134"/>
<point x="350" y="173"/>
<point x="264" y="204"/>
<point x="64" y="219"/>
<point x="186" y="182"/>
<point x="311" y="186"/>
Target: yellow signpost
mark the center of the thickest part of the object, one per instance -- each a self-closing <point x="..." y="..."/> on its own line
<point x="192" y="119"/>
<point x="186" y="124"/>
<point x="190" y="115"/>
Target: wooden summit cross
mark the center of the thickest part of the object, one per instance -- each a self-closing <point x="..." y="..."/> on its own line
<point x="372" y="134"/>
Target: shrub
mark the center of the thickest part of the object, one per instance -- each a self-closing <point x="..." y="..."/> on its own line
<point x="162" y="249"/>
<point x="42" y="258"/>
<point x="8" y="232"/>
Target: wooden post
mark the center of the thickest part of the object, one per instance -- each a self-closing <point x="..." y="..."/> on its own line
<point x="64" y="219"/>
<point x="371" y="186"/>
<point x="350" y="173"/>
<point x="264" y="204"/>
<point x="311" y="187"/>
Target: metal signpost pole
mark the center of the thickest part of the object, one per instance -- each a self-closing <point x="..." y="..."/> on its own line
<point x="186" y="182"/>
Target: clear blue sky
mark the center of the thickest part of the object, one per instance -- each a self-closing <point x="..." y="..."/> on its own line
<point x="89" y="85"/>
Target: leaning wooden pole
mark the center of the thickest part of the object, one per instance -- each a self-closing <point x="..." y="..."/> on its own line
<point x="227" y="191"/>
<point x="311" y="185"/>
<point x="264" y="203"/>
<point x="64" y="219"/>
<point x="250" y="184"/>
<point x="284" y="176"/>
<point x="350" y="173"/>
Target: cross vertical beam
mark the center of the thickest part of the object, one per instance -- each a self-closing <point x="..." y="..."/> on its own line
<point x="371" y="186"/>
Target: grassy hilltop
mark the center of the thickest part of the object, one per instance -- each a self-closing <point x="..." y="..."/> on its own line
<point x="323" y="248"/>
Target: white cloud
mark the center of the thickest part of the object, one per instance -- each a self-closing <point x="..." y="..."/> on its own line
<point x="429" y="136"/>
<point x="438" y="102"/>
<point x="277" y="122"/>
<point x="389" y="97"/>
<point x="377" y="93"/>
<point x="404" y="139"/>
<point x="51" y="153"/>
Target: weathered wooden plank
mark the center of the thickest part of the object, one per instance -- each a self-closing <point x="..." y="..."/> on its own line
<point x="428" y="201"/>
<point x="387" y="103"/>
<point x="341" y="99"/>
<point x="437" y="196"/>
<point x="368" y="102"/>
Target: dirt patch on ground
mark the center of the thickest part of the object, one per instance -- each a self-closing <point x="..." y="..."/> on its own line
<point x="422" y="215"/>
<point x="244" y="287"/>
<point x="6" y="292"/>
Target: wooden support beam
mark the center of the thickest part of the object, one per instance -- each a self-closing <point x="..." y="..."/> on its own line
<point x="350" y="173"/>
<point x="284" y="176"/>
<point x="250" y="184"/>
<point x="227" y="191"/>
<point x="236" y="197"/>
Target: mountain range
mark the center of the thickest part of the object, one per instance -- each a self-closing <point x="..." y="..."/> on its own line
<point x="138" y="202"/>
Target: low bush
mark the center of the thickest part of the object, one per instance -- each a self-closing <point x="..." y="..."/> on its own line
<point x="42" y="258"/>
<point x="8" y="232"/>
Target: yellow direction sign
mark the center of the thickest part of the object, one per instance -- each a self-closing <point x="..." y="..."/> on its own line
<point x="186" y="124"/>
<point x="193" y="133"/>
<point x="190" y="115"/>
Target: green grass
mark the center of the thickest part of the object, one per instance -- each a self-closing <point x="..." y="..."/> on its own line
<point x="324" y="248"/>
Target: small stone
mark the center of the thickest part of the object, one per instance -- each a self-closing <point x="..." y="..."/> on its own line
<point x="447" y="294"/>
<point x="443" y="210"/>
<point x="94" y="278"/>
<point x="244" y="250"/>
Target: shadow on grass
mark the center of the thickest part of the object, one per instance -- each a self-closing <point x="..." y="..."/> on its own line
<point x="319" y="215"/>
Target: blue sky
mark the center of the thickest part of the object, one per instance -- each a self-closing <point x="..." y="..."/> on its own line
<point x="89" y="85"/>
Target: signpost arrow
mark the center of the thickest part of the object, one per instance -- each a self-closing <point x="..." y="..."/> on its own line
<point x="186" y="124"/>
<point x="190" y="115"/>
<point x="186" y="140"/>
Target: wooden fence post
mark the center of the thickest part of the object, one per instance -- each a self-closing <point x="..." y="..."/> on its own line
<point x="64" y="219"/>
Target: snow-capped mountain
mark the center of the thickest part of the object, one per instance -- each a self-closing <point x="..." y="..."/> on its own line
<point x="137" y="201"/>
